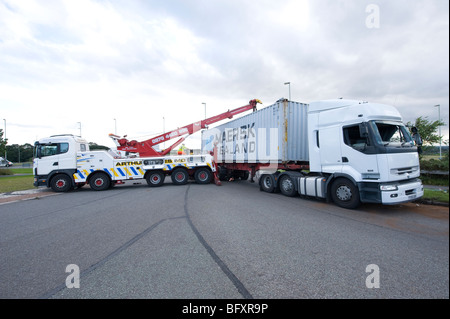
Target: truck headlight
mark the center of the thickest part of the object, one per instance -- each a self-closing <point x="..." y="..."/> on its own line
<point x="388" y="187"/>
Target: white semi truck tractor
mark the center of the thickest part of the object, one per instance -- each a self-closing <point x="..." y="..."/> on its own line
<point x="345" y="151"/>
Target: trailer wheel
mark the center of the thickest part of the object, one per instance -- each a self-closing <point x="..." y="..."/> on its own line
<point x="61" y="183"/>
<point x="267" y="183"/>
<point x="345" y="194"/>
<point x="180" y="176"/>
<point x="99" y="182"/>
<point x="155" y="179"/>
<point x="287" y="186"/>
<point x="203" y="176"/>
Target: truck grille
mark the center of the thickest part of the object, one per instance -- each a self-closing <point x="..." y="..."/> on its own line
<point x="404" y="170"/>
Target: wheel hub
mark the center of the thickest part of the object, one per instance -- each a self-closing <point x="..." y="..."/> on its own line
<point x="287" y="185"/>
<point x="344" y="193"/>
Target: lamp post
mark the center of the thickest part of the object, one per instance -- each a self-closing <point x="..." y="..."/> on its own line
<point x="164" y="131"/>
<point x="439" y="119"/>
<point x="115" y="126"/>
<point x="80" y="127"/>
<point x="205" y="109"/>
<point x="289" y="83"/>
<point x="5" y="137"/>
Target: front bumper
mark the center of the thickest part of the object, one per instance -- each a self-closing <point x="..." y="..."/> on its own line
<point x="404" y="192"/>
<point x="40" y="181"/>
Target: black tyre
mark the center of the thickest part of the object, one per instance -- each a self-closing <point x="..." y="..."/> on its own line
<point x="99" y="182"/>
<point x="223" y="174"/>
<point x="345" y="194"/>
<point x="267" y="183"/>
<point x="203" y="176"/>
<point x="180" y="176"/>
<point x="155" y="179"/>
<point x="287" y="186"/>
<point x="61" y="183"/>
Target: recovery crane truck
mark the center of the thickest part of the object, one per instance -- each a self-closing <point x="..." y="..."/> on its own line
<point x="64" y="162"/>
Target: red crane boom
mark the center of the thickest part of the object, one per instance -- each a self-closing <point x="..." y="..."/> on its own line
<point x="145" y="148"/>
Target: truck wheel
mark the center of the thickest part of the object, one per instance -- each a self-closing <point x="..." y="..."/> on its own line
<point x="345" y="194"/>
<point x="267" y="183"/>
<point x="61" y="183"/>
<point x="180" y="176"/>
<point x="155" y="179"/>
<point x="99" y="182"/>
<point x="287" y="186"/>
<point x="203" y="176"/>
<point x="223" y="174"/>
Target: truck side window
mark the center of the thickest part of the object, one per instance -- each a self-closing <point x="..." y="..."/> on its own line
<point x="49" y="150"/>
<point x="352" y="138"/>
<point x="83" y="147"/>
<point x="54" y="149"/>
<point x="63" y="148"/>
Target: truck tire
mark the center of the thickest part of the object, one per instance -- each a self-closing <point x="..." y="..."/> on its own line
<point x="223" y="174"/>
<point x="267" y="183"/>
<point x="287" y="186"/>
<point x="345" y="194"/>
<point x="61" y="183"/>
<point x="203" y="176"/>
<point x="99" y="182"/>
<point x="155" y="179"/>
<point x="180" y="176"/>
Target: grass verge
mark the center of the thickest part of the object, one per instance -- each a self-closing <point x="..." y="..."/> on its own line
<point x="436" y="195"/>
<point x="16" y="183"/>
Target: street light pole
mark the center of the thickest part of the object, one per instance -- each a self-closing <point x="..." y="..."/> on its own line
<point x="289" y="83"/>
<point x="5" y="137"/>
<point x="164" y="132"/>
<point x="205" y="110"/>
<point x="80" y="127"/>
<point x="115" y="126"/>
<point x="440" y="139"/>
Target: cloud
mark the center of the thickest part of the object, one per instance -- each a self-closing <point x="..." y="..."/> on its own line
<point x="139" y="61"/>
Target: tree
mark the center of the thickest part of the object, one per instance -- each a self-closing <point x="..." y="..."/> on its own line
<point x="3" y="143"/>
<point x="20" y="153"/>
<point x="94" y="146"/>
<point x="427" y="130"/>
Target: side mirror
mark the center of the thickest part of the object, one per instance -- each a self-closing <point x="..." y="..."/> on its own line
<point x="363" y="130"/>
<point x="38" y="150"/>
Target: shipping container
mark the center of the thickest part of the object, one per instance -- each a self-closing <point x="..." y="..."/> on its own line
<point x="277" y="133"/>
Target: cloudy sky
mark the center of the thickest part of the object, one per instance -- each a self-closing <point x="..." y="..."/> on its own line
<point x="126" y="64"/>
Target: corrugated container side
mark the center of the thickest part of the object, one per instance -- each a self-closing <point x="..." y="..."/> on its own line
<point x="298" y="132"/>
<point x="275" y="133"/>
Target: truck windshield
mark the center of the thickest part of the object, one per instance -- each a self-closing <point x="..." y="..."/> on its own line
<point x="391" y="134"/>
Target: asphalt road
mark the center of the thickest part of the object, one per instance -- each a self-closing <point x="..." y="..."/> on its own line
<point x="228" y="242"/>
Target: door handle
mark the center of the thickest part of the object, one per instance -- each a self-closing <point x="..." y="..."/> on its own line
<point x="55" y="164"/>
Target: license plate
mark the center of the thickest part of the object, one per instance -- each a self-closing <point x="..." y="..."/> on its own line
<point x="412" y="196"/>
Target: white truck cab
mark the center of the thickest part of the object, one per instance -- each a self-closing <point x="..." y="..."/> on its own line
<point x="367" y="145"/>
<point x="57" y="155"/>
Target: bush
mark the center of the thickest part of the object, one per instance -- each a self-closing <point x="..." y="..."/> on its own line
<point x="434" y="164"/>
<point x="5" y="172"/>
